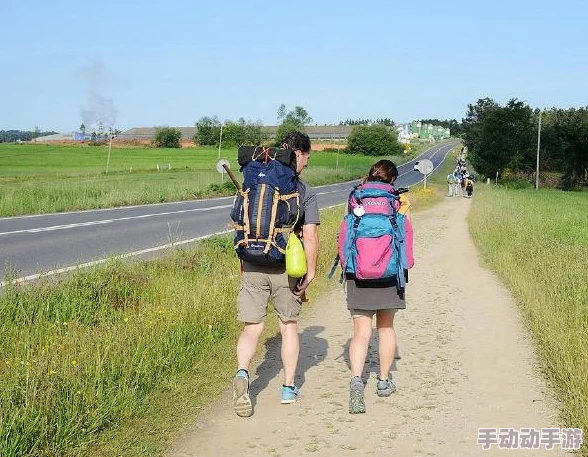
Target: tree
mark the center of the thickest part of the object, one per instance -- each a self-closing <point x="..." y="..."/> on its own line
<point x="83" y="128"/>
<point x="373" y="140"/>
<point x="167" y="137"/>
<point x="500" y="137"/>
<point x="564" y="140"/>
<point x="36" y="132"/>
<point x="295" y="119"/>
<point x="242" y="132"/>
<point x="208" y="131"/>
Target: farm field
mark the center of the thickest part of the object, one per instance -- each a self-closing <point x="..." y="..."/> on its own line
<point x="45" y="178"/>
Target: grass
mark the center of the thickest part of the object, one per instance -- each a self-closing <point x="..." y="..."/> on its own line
<point x="537" y="242"/>
<point x="41" y="178"/>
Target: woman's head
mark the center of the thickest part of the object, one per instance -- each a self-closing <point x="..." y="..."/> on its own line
<point x="382" y="170"/>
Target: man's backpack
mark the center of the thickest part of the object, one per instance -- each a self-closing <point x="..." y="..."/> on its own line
<point x="267" y="207"/>
<point x="375" y="237"/>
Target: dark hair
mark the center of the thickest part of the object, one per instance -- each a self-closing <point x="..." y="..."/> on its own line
<point x="382" y="170"/>
<point x="297" y="141"/>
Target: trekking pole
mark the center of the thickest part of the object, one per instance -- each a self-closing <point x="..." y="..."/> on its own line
<point x="232" y="176"/>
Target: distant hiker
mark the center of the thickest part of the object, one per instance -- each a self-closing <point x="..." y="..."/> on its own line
<point x="375" y="271"/>
<point x="450" y="185"/>
<point x="469" y="187"/>
<point x="273" y="204"/>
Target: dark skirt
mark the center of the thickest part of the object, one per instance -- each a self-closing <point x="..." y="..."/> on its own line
<point x="372" y="296"/>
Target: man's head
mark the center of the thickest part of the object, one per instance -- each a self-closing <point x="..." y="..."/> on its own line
<point x="300" y="143"/>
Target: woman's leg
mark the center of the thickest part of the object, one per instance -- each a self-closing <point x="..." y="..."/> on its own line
<point x="362" y="332"/>
<point x="386" y="340"/>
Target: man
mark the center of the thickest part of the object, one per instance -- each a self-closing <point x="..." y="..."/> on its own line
<point x="259" y="283"/>
<point x="450" y="185"/>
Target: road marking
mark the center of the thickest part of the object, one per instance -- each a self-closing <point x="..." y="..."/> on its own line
<point x="108" y="221"/>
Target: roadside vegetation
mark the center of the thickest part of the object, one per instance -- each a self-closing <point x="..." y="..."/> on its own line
<point x="537" y="243"/>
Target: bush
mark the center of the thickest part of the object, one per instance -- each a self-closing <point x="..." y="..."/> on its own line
<point x="373" y="140"/>
<point x="167" y="137"/>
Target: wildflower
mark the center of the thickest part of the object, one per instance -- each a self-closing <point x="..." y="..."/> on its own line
<point x="7" y="362"/>
<point x="74" y="362"/>
<point x="126" y="319"/>
<point x="52" y="372"/>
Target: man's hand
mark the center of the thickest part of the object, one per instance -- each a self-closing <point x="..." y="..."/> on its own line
<point x="302" y="285"/>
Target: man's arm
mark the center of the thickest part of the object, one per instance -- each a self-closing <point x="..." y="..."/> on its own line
<point x="310" y="241"/>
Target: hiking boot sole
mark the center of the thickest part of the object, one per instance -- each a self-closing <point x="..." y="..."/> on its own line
<point x="356" y="400"/>
<point x="241" y="400"/>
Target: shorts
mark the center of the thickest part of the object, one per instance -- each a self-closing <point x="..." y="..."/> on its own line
<point x="370" y="312"/>
<point x="258" y="285"/>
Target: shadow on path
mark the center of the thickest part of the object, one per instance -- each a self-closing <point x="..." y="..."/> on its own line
<point x="313" y="351"/>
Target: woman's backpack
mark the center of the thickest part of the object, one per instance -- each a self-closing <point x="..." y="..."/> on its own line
<point x="267" y="207"/>
<point x="375" y="238"/>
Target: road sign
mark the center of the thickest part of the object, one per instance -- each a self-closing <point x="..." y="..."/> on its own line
<point x="425" y="166"/>
<point x="219" y="165"/>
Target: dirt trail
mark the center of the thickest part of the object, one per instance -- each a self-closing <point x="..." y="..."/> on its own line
<point x="466" y="362"/>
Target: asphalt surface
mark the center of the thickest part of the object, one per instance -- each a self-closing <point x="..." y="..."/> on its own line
<point x="50" y="244"/>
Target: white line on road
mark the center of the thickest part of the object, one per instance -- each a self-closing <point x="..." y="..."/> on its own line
<point x="108" y="221"/>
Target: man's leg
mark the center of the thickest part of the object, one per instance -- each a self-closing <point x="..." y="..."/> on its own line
<point x="290" y="350"/>
<point x="247" y="344"/>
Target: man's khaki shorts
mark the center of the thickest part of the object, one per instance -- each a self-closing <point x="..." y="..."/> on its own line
<point x="258" y="285"/>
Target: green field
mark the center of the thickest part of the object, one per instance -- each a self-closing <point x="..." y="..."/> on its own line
<point x="46" y="178"/>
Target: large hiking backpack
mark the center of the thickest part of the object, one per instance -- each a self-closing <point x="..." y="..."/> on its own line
<point x="267" y="207"/>
<point x="375" y="237"/>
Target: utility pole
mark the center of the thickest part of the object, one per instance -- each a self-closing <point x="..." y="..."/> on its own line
<point x="538" y="145"/>
<point x="220" y="140"/>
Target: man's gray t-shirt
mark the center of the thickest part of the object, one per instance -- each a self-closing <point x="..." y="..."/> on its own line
<point x="308" y="205"/>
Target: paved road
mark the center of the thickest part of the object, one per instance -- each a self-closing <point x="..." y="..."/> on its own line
<point x="54" y="243"/>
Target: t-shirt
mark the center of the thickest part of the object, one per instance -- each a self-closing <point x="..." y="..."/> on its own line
<point x="308" y="205"/>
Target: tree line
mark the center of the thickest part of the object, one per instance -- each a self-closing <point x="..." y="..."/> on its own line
<point x="10" y="136"/>
<point x="504" y="139"/>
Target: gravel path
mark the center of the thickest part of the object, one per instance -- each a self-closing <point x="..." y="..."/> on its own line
<point x="466" y="362"/>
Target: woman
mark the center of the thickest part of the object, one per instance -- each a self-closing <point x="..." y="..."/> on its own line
<point x="380" y="298"/>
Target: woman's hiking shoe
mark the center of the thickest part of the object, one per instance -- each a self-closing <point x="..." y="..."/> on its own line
<point x="290" y="394"/>
<point x="241" y="400"/>
<point x="356" y="400"/>
<point x="385" y="387"/>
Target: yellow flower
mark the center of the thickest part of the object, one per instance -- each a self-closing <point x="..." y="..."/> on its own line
<point x="74" y="363"/>
<point x="126" y="319"/>
<point x="52" y="372"/>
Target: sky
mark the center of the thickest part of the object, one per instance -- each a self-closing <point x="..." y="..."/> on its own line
<point x="169" y="63"/>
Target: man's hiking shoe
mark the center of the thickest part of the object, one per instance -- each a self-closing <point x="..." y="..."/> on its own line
<point x="385" y="387"/>
<point x="290" y="394"/>
<point x="241" y="401"/>
<point x="356" y="400"/>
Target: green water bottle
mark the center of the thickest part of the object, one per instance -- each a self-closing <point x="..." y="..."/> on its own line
<point x="295" y="257"/>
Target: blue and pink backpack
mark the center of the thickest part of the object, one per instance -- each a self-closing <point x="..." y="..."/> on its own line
<point x="376" y="237"/>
